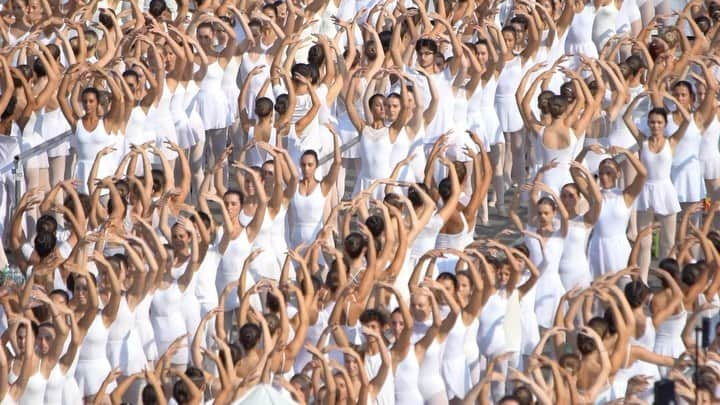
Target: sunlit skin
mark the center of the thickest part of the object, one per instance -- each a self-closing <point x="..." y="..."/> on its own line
<point x="170" y="59"/>
<point x="502" y="276"/>
<point x="352" y="367"/>
<point x="569" y="197"/>
<point x="180" y="240"/>
<point x="464" y="288"/>
<point x="545" y="215"/>
<point x="308" y="164"/>
<point x="510" y="39"/>
<point x="205" y="37"/>
<point x="45" y="340"/>
<point x="232" y="204"/>
<point x="80" y="292"/>
<point x="683" y="96"/>
<point x="21" y="336"/>
<point x="377" y="107"/>
<point x="607" y="176"/>
<point x="420" y="307"/>
<point x="397" y="324"/>
<point x="342" y="393"/>
<point x="449" y="288"/>
<point x="34" y="12"/>
<point x="91" y="105"/>
<point x="426" y="57"/>
<point x="392" y="108"/>
<point x="481" y="51"/>
<point x="657" y="124"/>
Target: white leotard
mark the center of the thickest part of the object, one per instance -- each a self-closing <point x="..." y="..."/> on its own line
<point x="88" y="144"/>
<point x="407" y="391"/>
<point x="375" y="150"/>
<point x="430" y="380"/>
<point x="658" y="192"/>
<point x="230" y="268"/>
<point x="306" y="215"/>
<point x="574" y="268"/>
<point x="124" y="348"/>
<point x="93" y="365"/>
<point x="609" y="249"/>
<point x="167" y="320"/>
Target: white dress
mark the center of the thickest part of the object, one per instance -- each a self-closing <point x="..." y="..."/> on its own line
<point x="482" y="117"/>
<point x="559" y="176"/>
<point x="124" y="348"/>
<point x="190" y="304"/>
<point x="690" y="187"/>
<point x="167" y="320"/>
<point x="407" y="389"/>
<point x="455" y="366"/>
<point x="189" y="131"/>
<point x="574" y="268"/>
<point x="375" y="149"/>
<point x="668" y="337"/>
<point x="255" y="156"/>
<point x="145" y="329"/>
<point x="34" y="390"/>
<point x="306" y="216"/>
<point x="658" y="193"/>
<point x="54" y="124"/>
<point x="32" y="136"/>
<point x="211" y="101"/>
<point x="549" y="287"/>
<point x="88" y="144"/>
<point x="709" y="154"/>
<point x="229" y="86"/>
<point x="430" y="380"/>
<point x="162" y="123"/>
<point x="580" y="35"/>
<point x="609" y="249"/>
<point x="605" y="24"/>
<point x="230" y="268"/>
<point x="386" y="396"/>
<point x="266" y="264"/>
<point x="508" y="111"/>
<point x="246" y="65"/>
<point x="93" y="365"/>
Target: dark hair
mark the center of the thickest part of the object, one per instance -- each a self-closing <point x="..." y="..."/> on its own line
<point x="394" y="200"/>
<point x="312" y="153"/>
<point x="704" y="23"/>
<point x="547" y="201"/>
<point x="374" y="314"/>
<point x="611" y="162"/>
<point x="567" y="89"/>
<point x="238" y="193"/>
<point x="149" y="396"/>
<point x="519" y="19"/>
<point x="263" y="106"/>
<point x="635" y="64"/>
<point x="354" y="244"/>
<point x="46" y="223"/>
<point x="687" y="85"/>
<point x="508" y="399"/>
<point x="449" y="276"/>
<point x="445" y="188"/>
<point x="10" y="108"/>
<point x="309" y="71"/>
<point x="543" y="101"/>
<point x="571" y="186"/>
<point x="692" y="272"/>
<point x="39" y="68"/>
<point x="249" y="336"/>
<point x="523" y="395"/>
<point x="157" y="7"/>
<point x="316" y="55"/>
<point x="557" y="105"/>
<point x="636" y="292"/>
<point x="58" y="291"/>
<point x="45" y="243"/>
<point x="90" y="90"/>
<point x="375" y="97"/>
<point x="672" y="267"/>
<point x="131" y="73"/>
<point x="415" y="197"/>
<point x="74" y="276"/>
<point x="659" y="111"/>
<point x="426" y="43"/>
<point x="282" y="103"/>
<point x="376" y="225"/>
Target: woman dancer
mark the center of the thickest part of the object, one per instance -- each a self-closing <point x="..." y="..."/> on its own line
<point x="658" y="199"/>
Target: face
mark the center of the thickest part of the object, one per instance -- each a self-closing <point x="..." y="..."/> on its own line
<point x="281" y="11"/>
<point x="426" y="57"/>
<point x="58" y="299"/>
<point x="378" y="107"/>
<point x="464" y="287"/>
<point x="397" y="324"/>
<point x="256" y="30"/>
<point x="90" y="103"/>
<point x="221" y="36"/>
<point x="683" y="96"/>
<point x="657" y="124"/>
<point x="22" y="339"/>
<point x="341" y="387"/>
<point x="232" y="204"/>
<point x="180" y="237"/>
<point x="34" y="11"/>
<point x="205" y="37"/>
<point x="375" y="327"/>
<point x="449" y="287"/>
<point x="392" y="108"/>
<point x="370" y="51"/>
<point x="509" y="38"/>
<point x="170" y="59"/>
<point x="45" y="339"/>
<point x="132" y="83"/>
<point x="569" y="197"/>
<point x="249" y="186"/>
<point x="482" y="53"/>
<point x="607" y="175"/>
<point x="520" y="32"/>
<point x="410" y="101"/>
<point x="308" y="164"/>
<point x="420" y="307"/>
<point x="502" y="276"/>
<point x="81" y="290"/>
<point x="351" y="365"/>
<point x="545" y="213"/>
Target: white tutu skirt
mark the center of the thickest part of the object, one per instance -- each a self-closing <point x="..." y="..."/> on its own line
<point x="659" y="196"/>
<point x="82" y="171"/>
<point x="485" y="123"/>
<point x="575" y="273"/>
<point x="608" y="254"/>
<point x="55" y="124"/>
<point x="348" y="132"/>
<point x="508" y="113"/>
<point x="548" y="292"/>
<point x="127" y="354"/>
<point x="189" y="130"/>
<point x="167" y="329"/>
<point x="90" y="375"/>
<point x="690" y="187"/>
<point x="39" y="161"/>
<point x="213" y="107"/>
<point x="711" y="168"/>
<point x="147" y="338"/>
